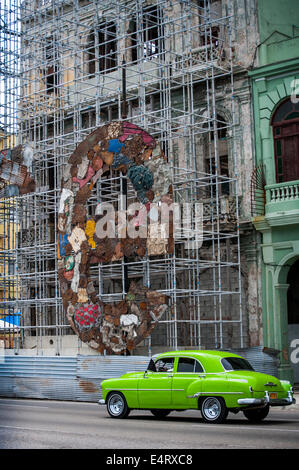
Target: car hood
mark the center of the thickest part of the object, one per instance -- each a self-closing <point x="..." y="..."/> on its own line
<point x="133" y="375"/>
<point x="127" y="375"/>
<point x="258" y="380"/>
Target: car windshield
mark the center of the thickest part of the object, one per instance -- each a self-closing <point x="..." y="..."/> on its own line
<point x="236" y="363"/>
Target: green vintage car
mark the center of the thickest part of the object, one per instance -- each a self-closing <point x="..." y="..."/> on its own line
<point x="215" y="382"/>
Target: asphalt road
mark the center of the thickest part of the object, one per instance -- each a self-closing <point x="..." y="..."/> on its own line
<point x="44" y="424"/>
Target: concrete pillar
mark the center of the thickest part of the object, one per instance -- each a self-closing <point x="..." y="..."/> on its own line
<point x="281" y="331"/>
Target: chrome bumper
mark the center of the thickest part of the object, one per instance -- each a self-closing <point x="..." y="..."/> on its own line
<point x="252" y="401"/>
<point x="266" y="400"/>
<point x="101" y="402"/>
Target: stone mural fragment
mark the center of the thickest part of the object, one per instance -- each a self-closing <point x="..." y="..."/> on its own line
<point x="15" y="171"/>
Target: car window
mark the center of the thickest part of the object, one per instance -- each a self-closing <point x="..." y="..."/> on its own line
<point x="165" y="364"/>
<point x="187" y="364"/>
<point x="151" y="366"/>
<point x="236" y="363"/>
<point x="198" y="367"/>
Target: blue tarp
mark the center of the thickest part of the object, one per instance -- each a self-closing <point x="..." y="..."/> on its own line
<point x="13" y="319"/>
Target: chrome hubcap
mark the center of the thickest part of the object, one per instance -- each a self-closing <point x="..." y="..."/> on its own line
<point x="212" y="408"/>
<point x="116" y="405"/>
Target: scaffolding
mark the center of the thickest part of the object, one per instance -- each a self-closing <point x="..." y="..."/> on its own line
<point x="63" y="65"/>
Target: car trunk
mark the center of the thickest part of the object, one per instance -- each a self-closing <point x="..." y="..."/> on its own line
<point x="260" y="382"/>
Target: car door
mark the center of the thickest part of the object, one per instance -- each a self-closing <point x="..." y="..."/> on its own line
<point x="187" y="371"/>
<point x="154" y="388"/>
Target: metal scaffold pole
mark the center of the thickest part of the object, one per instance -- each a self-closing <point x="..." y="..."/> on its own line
<point x="69" y="67"/>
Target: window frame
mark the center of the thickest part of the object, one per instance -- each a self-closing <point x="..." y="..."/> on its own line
<point x="107" y="61"/>
<point x="194" y="359"/>
<point x="223" y="155"/>
<point x="51" y="72"/>
<point x="239" y="358"/>
<point x="280" y="172"/>
<point x="147" y="43"/>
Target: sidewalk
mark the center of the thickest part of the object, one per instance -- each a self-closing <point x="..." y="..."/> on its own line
<point x="292" y="407"/>
<point x="296" y="396"/>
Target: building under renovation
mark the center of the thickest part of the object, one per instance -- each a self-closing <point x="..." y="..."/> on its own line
<point x="177" y="72"/>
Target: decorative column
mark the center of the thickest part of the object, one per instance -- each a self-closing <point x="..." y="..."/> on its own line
<point x="250" y="247"/>
<point x="281" y="331"/>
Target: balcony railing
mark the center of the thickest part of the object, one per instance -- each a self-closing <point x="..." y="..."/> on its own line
<point x="282" y="192"/>
<point x="282" y="196"/>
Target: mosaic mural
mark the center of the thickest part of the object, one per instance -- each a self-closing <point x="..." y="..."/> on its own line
<point x="84" y="240"/>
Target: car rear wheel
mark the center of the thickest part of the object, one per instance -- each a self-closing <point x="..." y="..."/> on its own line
<point x="213" y="410"/>
<point x="117" y="406"/>
<point x="257" y="415"/>
<point x="160" y="413"/>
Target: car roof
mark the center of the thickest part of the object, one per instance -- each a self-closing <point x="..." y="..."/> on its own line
<point x="210" y="360"/>
<point x="199" y="352"/>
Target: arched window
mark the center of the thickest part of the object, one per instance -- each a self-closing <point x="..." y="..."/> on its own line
<point x="285" y="124"/>
<point x="222" y="153"/>
<point x="51" y="71"/>
<point x="102" y="49"/>
<point x="147" y="35"/>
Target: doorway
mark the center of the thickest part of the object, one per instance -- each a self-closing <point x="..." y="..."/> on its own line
<point x="293" y="318"/>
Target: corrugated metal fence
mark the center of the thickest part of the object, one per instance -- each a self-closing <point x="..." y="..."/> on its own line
<point x="75" y="378"/>
<point x="260" y="360"/>
<point x="78" y="378"/>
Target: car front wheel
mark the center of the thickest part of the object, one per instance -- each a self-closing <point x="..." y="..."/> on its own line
<point x="257" y="415"/>
<point x="213" y="410"/>
<point x="117" y="406"/>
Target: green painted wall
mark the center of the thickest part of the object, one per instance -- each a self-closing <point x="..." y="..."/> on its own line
<point x="278" y="22"/>
<point x="272" y="82"/>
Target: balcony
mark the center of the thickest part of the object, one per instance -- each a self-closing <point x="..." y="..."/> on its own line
<point x="282" y="203"/>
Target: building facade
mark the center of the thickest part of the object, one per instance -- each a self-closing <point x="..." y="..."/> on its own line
<point x="187" y="84"/>
<point x="276" y="118"/>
